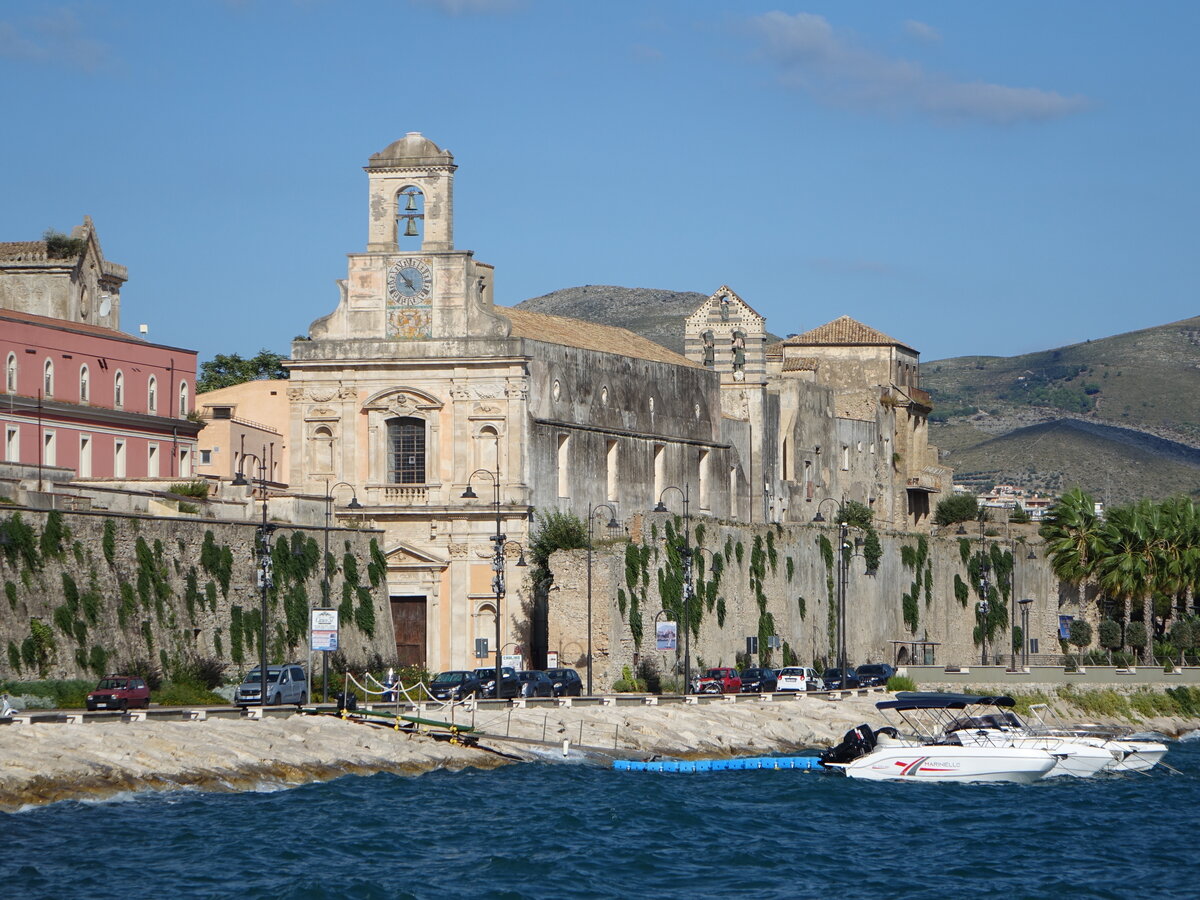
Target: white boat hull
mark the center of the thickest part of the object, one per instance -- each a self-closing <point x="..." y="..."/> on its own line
<point x="1135" y="756"/>
<point x="951" y="763"/>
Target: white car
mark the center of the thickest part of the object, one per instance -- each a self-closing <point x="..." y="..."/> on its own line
<point x="799" y="678"/>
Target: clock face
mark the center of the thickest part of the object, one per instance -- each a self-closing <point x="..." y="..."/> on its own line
<point x="409" y="281"/>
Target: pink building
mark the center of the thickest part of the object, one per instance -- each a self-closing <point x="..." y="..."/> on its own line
<point x="79" y="393"/>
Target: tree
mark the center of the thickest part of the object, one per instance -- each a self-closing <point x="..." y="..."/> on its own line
<point x="1183" y="636"/>
<point x="1072" y="533"/>
<point x="227" y="370"/>
<point x="959" y="508"/>
<point x="1109" y="636"/>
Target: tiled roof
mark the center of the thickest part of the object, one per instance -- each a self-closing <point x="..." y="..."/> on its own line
<point x="801" y="364"/>
<point x="844" y="330"/>
<point x="68" y="325"/>
<point x="23" y="251"/>
<point x="589" y="336"/>
<point x="773" y="351"/>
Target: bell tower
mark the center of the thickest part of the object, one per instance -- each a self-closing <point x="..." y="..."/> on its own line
<point x="411" y="196"/>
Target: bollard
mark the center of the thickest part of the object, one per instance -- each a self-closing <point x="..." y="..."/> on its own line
<point x="566" y="747"/>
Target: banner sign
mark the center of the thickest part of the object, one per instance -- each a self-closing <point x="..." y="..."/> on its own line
<point x="551" y="659"/>
<point x="664" y="635"/>
<point x="323" y="628"/>
<point x="513" y="660"/>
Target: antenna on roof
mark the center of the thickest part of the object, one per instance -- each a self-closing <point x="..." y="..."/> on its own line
<point x="144" y="329"/>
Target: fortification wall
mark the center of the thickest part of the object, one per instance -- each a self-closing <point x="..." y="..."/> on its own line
<point x="85" y="591"/>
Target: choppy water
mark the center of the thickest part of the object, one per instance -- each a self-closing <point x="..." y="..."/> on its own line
<point x="555" y="831"/>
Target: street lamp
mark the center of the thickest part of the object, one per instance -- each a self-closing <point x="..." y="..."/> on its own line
<point x="1025" y="604"/>
<point x="686" y="552"/>
<point x="265" y="580"/>
<point x="612" y="523"/>
<point x="353" y="504"/>
<point x="499" y="541"/>
<point x="843" y="563"/>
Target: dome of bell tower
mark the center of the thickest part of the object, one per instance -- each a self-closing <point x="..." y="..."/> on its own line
<point x="414" y="149"/>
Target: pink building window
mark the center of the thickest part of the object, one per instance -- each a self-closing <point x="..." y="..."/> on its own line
<point x="48" y="378"/>
<point x="10" y="374"/>
<point x="119" y="390"/>
<point x="84" y="384"/>
<point x="183" y="399"/>
<point x="152" y="395"/>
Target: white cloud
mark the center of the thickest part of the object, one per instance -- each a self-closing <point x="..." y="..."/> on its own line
<point x="58" y="39"/>
<point x="473" y="7"/>
<point x="921" y="32"/>
<point x="831" y="68"/>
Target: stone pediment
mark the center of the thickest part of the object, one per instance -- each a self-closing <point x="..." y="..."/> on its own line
<point x="402" y="401"/>
<point x="726" y="306"/>
<point x="406" y="556"/>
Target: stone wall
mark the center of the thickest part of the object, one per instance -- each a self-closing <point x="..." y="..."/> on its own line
<point x="798" y="591"/>
<point x="85" y="592"/>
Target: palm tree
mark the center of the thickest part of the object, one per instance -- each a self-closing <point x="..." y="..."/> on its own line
<point x="1072" y="532"/>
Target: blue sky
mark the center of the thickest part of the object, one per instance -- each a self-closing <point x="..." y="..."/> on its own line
<point x="969" y="178"/>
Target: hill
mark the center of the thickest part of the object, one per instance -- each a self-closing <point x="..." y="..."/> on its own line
<point x="654" y="314"/>
<point x="1117" y="416"/>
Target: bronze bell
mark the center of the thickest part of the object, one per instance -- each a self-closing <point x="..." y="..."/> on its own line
<point x="412" y="200"/>
<point x="410" y="229"/>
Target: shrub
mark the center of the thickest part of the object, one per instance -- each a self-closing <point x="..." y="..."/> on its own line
<point x="901" y="683"/>
<point x="1135" y="634"/>
<point x="1109" y="634"/>
<point x="144" y="668"/>
<point x="197" y="489"/>
<point x="958" y="508"/>
<point x="1081" y="633"/>
<point x="184" y="693"/>
<point x="206" y="672"/>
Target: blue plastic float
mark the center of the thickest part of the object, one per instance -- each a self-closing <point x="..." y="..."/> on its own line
<point x="719" y="765"/>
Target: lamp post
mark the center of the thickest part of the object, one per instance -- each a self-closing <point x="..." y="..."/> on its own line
<point x="499" y="541"/>
<point x="685" y="552"/>
<point x="265" y="580"/>
<point x="353" y="504"/>
<point x="842" y="565"/>
<point x="612" y="523"/>
<point x="1025" y="604"/>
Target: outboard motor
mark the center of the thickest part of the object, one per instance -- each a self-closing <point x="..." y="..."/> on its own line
<point x="857" y="742"/>
<point x="346" y="702"/>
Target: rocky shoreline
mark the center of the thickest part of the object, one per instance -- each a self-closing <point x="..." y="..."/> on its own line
<point x="47" y="763"/>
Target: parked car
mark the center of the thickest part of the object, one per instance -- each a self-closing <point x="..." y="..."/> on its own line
<point x="566" y="682"/>
<point x="535" y="684"/>
<point x="835" y="681"/>
<point x="285" y="684"/>
<point x="457" y="684"/>
<point x="759" y="681"/>
<point x="119" y="692"/>
<point x="721" y="680"/>
<point x="509" y="685"/>
<point x="799" y="678"/>
<point x="874" y="673"/>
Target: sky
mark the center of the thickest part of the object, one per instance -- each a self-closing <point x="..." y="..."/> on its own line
<point x="969" y="178"/>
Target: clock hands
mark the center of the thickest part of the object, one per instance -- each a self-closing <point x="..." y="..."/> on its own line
<point x="407" y="280"/>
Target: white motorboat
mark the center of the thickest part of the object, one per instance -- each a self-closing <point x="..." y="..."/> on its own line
<point x="933" y="754"/>
<point x="1073" y="757"/>
<point x="1130" y="753"/>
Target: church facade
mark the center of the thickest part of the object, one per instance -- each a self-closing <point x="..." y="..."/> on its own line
<point x="454" y="421"/>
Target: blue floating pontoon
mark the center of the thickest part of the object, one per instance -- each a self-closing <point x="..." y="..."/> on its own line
<point x="719" y="765"/>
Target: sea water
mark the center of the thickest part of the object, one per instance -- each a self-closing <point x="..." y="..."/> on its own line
<point x="543" y="830"/>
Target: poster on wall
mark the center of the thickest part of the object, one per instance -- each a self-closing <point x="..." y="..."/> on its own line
<point x="551" y="659"/>
<point x="664" y="636"/>
<point x="513" y="660"/>
<point x="1064" y="626"/>
<point x="324" y="629"/>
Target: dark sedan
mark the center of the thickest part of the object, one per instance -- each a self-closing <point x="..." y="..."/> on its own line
<point x="759" y="681"/>
<point x="835" y="681"/>
<point x="535" y="684"/>
<point x="458" y="684"/>
<point x="566" y="682"/>
<point x="509" y="685"/>
<point x="874" y="673"/>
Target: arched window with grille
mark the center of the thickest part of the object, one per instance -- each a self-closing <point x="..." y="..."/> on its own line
<point x="152" y="395"/>
<point x="84" y="384"/>
<point x="10" y="374"/>
<point x="48" y="378"/>
<point x="119" y="389"/>
<point x="406" y="450"/>
<point x="183" y="399"/>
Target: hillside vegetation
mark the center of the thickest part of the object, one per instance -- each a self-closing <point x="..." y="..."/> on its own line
<point x="1118" y="416"/>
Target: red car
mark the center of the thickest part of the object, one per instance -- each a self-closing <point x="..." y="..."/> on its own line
<point x="718" y="681"/>
<point x="119" y="692"/>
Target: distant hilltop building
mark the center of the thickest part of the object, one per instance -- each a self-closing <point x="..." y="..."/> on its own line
<point x="452" y="421"/>
<point x="83" y="399"/>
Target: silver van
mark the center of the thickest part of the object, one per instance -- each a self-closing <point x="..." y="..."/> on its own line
<point x="285" y="684"/>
